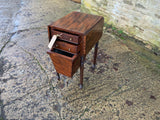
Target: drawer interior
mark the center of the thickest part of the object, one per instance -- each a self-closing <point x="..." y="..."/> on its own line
<point x="64" y="62"/>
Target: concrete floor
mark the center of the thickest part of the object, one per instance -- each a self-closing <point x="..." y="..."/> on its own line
<point x="124" y="86"/>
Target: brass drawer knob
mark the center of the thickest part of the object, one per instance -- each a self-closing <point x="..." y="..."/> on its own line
<point x="69" y="49"/>
<point x="70" y="39"/>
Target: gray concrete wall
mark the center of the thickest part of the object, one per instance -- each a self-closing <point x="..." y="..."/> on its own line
<point x="138" y="18"/>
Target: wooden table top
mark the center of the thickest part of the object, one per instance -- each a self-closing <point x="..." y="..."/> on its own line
<point x="77" y="23"/>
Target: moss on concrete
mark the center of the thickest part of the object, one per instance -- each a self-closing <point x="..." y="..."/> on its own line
<point x="1" y="118"/>
<point x="99" y="8"/>
<point x="84" y="9"/>
<point x="147" y="55"/>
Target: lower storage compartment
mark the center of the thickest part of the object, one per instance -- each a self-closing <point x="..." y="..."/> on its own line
<point x="64" y="62"/>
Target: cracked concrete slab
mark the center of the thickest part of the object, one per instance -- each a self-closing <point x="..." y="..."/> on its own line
<point x="6" y="16"/>
<point x="123" y="85"/>
<point x="34" y="42"/>
<point x="120" y="93"/>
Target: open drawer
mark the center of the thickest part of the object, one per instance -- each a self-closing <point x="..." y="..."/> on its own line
<point x="67" y="47"/>
<point x="64" y="62"/>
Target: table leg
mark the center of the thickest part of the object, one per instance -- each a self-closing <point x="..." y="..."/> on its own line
<point x="58" y="76"/>
<point x="95" y="55"/>
<point x="81" y="71"/>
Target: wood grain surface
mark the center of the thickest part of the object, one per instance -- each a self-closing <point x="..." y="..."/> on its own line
<point x="77" y="22"/>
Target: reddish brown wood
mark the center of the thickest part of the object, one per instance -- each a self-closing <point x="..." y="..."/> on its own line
<point x="64" y="64"/>
<point x="77" y="23"/>
<point x="81" y="70"/>
<point x="77" y="1"/>
<point x="79" y="33"/>
<point x="67" y="47"/>
<point x="93" y="36"/>
<point x="66" y="37"/>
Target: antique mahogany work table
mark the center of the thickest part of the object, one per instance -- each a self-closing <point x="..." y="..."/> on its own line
<point x="77" y="34"/>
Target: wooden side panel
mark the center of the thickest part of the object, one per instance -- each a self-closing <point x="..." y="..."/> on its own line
<point x="94" y="35"/>
<point x="76" y="64"/>
<point x="83" y="45"/>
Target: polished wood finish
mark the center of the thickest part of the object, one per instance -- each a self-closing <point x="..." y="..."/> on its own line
<point x="64" y="64"/>
<point x="67" y="46"/>
<point x="77" y="34"/>
<point x="93" y="36"/>
<point x="81" y="70"/>
<point x="66" y="37"/>
<point x="77" y="23"/>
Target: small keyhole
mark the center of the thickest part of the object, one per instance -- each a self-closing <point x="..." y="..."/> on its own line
<point x="69" y="49"/>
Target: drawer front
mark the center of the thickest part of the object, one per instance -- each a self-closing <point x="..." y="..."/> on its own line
<point x="66" y="36"/>
<point x="67" y="47"/>
<point x="64" y="62"/>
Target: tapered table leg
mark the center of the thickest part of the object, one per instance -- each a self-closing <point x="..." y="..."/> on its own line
<point x="95" y="55"/>
<point x="58" y="76"/>
<point x="81" y="71"/>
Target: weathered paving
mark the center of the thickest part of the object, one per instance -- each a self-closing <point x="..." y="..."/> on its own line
<point x="124" y="85"/>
